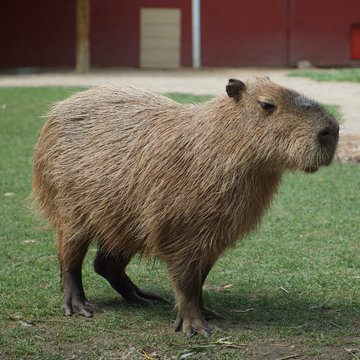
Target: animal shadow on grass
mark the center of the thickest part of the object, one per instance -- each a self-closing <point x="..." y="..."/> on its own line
<point x="282" y="310"/>
<point x="292" y="312"/>
<point x="116" y="303"/>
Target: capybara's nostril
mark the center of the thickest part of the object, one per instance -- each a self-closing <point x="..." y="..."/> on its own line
<point x="327" y="135"/>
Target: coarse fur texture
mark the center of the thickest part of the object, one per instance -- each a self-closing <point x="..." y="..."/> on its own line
<point x="137" y="172"/>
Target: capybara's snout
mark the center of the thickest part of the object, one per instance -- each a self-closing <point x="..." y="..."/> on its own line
<point x="325" y="143"/>
<point x="329" y="134"/>
<point x="328" y="138"/>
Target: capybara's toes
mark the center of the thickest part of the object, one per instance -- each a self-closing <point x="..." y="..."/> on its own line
<point x="162" y="299"/>
<point x="196" y="327"/>
<point x="89" y="305"/>
<point x="75" y="305"/>
<point x="85" y="313"/>
<point x="147" y="295"/>
<point x="147" y="298"/>
<point x="83" y="308"/>
<point x="68" y="310"/>
<point x="191" y="331"/>
<point x="141" y="300"/>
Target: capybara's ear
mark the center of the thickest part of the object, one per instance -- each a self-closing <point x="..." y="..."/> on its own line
<point x="234" y="88"/>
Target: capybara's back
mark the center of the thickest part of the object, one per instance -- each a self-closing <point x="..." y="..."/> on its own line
<point x="94" y="164"/>
<point x="136" y="172"/>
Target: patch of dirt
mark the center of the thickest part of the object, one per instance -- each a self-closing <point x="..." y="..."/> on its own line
<point x="278" y="351"/>
<point x="349" y="148"/>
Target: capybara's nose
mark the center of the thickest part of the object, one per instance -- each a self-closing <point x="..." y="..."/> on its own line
<point x="329" y="135"/>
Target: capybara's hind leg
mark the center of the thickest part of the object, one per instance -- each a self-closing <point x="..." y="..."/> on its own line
<point x="71" y="256"/>
<point x="112" y="268"/>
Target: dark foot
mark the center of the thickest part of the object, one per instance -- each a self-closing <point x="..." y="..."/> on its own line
<point x="192" y="326"/>
<point x="113" y="270"/>
<point x="132" y="293"/>
<point x="74" y="296"/>
<point x="77" y="305"/>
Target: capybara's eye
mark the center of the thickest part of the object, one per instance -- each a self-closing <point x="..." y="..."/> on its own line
<point x="267" y="106"/>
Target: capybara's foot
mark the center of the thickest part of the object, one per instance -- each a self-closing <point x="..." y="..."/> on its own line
<point x="132" y="293"/>
<point x="74" y="296"/>
<point x="192" y="326"/>
<point x="75" y="304"/>
<point x="210" y="314"/>
<point x="153" y="298"/>
<point x="113" y="270"/>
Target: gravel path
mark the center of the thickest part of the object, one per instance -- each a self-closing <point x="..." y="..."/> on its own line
<point x="212" y="82"/>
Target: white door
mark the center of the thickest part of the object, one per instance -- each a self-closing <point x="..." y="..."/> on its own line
<point x="160" y="38"/>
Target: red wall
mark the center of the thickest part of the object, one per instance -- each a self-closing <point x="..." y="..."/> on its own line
<point x="41" y="33"/>
<point x="116" y="30"/>
<point x="37" y="33"/>
<point x="320" y="30"/>
<point x="278" y="32"/>
<point x="243" y="32"/>
<point x="355" y="41"/>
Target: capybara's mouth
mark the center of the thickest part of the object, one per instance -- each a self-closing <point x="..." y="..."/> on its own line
<point x="314" y="166"/>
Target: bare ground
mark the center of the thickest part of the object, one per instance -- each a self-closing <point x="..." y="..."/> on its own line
<point x="349" y="148"/>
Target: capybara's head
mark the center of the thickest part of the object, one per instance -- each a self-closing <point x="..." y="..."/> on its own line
<point x="290" y="130"/>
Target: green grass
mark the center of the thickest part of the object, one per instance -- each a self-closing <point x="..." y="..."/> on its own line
<point x="348" y="74"/>
<point x="295" y="283"/>
<point x="188" y="98"/>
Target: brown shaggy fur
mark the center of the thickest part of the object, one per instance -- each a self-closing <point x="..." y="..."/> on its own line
<point x="139" y="173"/>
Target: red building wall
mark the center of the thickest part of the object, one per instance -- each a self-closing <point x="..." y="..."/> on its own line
<point x="116" y="30"/>
<point x="320" y="30"/>
<point x="42" y="33"/>
<point x="242" y="32"/>
<point x="37" y="33"/>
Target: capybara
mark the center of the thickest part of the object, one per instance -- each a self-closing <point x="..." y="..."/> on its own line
<point x="136" y="172"/>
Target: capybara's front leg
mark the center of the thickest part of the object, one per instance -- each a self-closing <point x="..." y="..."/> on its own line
<point x="187" y="288"/>
<point x="74" y="296"/>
